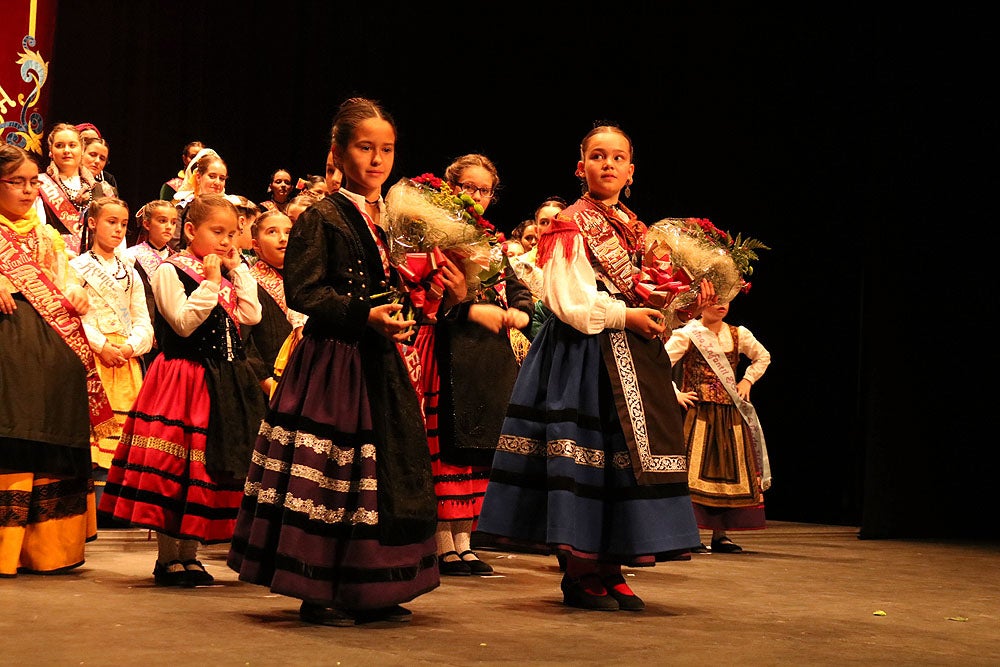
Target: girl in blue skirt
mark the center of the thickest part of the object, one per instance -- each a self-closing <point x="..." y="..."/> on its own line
<point x="591" y="460"/>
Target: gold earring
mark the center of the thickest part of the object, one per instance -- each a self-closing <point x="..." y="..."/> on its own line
<point x="628" y="190"/>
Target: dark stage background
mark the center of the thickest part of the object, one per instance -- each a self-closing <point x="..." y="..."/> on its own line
<point x="853" y="143"/>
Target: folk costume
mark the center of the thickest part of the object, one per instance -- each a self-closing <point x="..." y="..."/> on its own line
<point x="63" y="206"/>
<point x="51" y="406"/>
<point x="146" y="259"/>
<point x="467" y="373"/>
<point x="339" y="506"/>
<point x="591" y="460"/>
<point x="729" y="470"/>
<point x="265" y="341"/>
<point x="117" y="315"/>
<point x="186" y="444"/>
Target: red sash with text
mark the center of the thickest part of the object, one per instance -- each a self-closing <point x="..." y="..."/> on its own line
<point x="31" y="281"/>
<point x="69" y="215"/>
<point x="194" y="268"/>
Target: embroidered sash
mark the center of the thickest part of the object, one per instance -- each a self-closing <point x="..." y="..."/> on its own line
<point x="30" y="280"/>
<point x="105" y="285"/>
<point x="709" y="348"/>
<point x="69" y="215"/>
<point x="147" y="257"/>
<point x="273" y="283"/>
<point x="194" y="268"/>
<point x="606" y="247"/>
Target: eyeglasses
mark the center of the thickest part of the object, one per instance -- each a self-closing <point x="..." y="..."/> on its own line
<point x="19" y="183"/>
<point x="471" y="189"/>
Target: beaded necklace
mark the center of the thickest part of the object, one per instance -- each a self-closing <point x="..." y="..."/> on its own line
<point x="120" y="268"/>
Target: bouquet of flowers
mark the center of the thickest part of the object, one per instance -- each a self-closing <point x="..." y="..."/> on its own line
<point x="701" y="251"/>
<point x="426" y="221"/>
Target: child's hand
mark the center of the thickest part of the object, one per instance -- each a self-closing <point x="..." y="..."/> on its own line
<point x="77" y="297"/>
<point x="213" y="270"/>
<point x="687" y="398"/>
<point x="743" y="389"/>
<point x="127" y="351"/>
<point x="515" y="319"/>
<point x="231" y="259"/>
<point x="647" y="322"/>
<point x="455" y="288"/>
<point x="111" y="355"/>
<point x="385" y="320"/>
<point x="488" y="316"/>
<point x="7" y="305"/>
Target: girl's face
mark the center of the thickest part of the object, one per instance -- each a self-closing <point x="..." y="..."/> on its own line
<point x="95" y="156"/>
<point x="544" y="218"/>
<point x="18" y="190"/>
<point x="212" y="181"/>
<point x="369" y="156"/>
<point x="714" y="313"/>
<point x="606" y="165"/>
<point x="317" y="190"/>
<point x="476" y="182"/>
<point x="216" y="233"/>
<point x="160" y="226"/>
<point x="529" y="237"/>
<point x="281" y="185"/>
<point x="109" y="228"/>
<point x="272" y="240"/>
<point x="66" y="151"/>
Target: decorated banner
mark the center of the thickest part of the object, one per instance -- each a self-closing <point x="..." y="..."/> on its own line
<point x="27" y="32"/>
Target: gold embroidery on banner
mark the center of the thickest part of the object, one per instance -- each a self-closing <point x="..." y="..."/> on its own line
<point x="648" y="461"/>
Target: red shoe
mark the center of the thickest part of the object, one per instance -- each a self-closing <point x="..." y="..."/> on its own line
<point x="587" y="592"/>
<point x="620" y="591"/>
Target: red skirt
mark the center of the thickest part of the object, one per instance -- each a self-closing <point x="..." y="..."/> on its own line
<point x="158" y="478"/>
<point x="460" y="489"/>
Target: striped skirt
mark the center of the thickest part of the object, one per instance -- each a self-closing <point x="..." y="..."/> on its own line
<point x="44" y="522"/>
<point x="158" y="478"/>
<point x="308" y="527"/>
<point x="562" y="476"/>
<point x="459" y="488"/>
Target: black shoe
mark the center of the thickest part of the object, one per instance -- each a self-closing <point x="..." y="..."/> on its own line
<point x="625" y="602"/>
<point x="476" y="566"/>
<point x="453" y="567"/>
<point x="163" y="576"/>
<point x="700" y="549"/>
<point x="575" y="595"/>
<point x="196" y="573"/>
<point x="317" y="614"/>
<point x="724" y="545"/>
<point x="561" y="559"/>
<point x="393" y="614"/>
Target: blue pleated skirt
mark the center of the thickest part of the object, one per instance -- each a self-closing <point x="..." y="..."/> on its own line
<point x="562" y="477"/>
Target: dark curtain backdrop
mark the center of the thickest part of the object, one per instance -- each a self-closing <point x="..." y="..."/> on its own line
<point x="830" y="134"/>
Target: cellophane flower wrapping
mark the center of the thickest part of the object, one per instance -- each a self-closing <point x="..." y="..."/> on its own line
<point x="705" y="253"/>
<point x="423" y="214"/>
